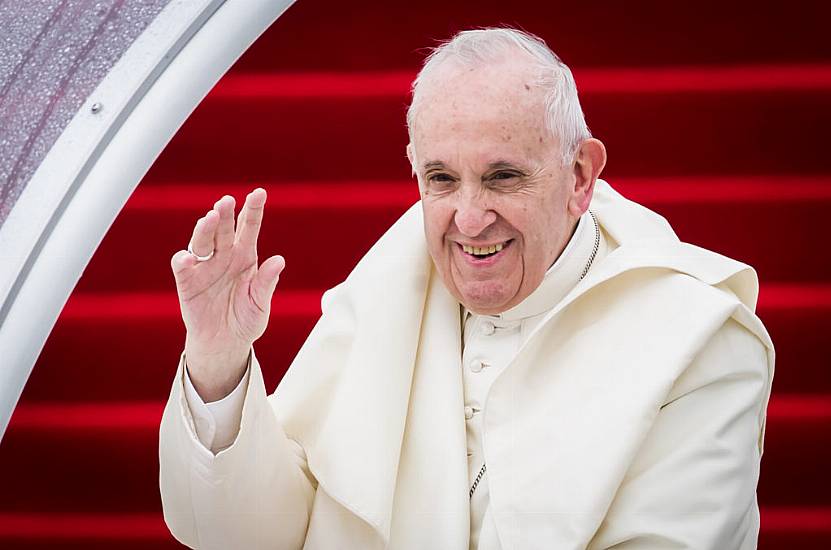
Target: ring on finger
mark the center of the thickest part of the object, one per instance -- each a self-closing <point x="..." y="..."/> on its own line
<point x="197" y="256"/>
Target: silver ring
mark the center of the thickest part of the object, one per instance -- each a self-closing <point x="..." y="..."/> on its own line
<point x="197" y="256"/>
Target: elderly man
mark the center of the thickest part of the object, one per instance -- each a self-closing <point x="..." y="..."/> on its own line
<point x="524" y="360"/>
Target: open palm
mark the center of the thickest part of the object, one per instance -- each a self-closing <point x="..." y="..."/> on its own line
<point x="226" y="299"/>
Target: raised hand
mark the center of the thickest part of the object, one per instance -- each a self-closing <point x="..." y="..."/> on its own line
<point x="226" y="299"/>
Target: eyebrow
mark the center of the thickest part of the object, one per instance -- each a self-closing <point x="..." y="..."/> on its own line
<point x="501" y="164"/>
<point x="496" y="165"/>
<point x="432" y="164"/>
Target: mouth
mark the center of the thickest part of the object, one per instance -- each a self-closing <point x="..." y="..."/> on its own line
<point x="479" y="254"/>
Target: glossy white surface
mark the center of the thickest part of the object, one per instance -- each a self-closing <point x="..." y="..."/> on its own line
<point x="100" y="159"/>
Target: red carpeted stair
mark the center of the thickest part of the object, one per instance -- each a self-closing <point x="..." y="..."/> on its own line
<point x="714" y="114"/>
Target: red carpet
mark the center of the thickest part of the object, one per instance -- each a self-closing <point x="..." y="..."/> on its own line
<point x="714" y="115"/>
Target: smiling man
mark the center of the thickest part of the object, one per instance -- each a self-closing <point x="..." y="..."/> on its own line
<point x="525" y="360"/>
<point x="492" y="174"/>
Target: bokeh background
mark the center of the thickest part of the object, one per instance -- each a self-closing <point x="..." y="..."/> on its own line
<point x="715" y="114"/>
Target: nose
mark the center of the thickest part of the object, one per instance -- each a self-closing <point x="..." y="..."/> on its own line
<point x="473" y="216"/>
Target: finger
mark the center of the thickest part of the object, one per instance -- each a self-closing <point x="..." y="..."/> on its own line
<point x="180" y="262"/>
<point x="202" y="241"/>
<point x="250" y="219"/>
<point x="225" y="230"/>
<point x="265" y="281"/>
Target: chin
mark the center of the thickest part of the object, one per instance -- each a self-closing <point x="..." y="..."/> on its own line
<point x="485" y="298"/>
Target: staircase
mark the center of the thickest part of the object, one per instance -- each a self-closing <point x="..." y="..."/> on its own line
<point x="714" y="114"/>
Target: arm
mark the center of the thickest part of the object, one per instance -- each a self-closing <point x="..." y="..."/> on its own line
<point x="693" y="483"/>
<point x="256" y="493"/>
<point x="216" y="423"/>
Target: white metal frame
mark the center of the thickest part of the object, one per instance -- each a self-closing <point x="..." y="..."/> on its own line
<point x="88" y="175"/>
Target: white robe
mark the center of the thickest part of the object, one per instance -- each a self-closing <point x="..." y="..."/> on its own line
<point x="632" y="417"/>
<point x="490" y="343"/>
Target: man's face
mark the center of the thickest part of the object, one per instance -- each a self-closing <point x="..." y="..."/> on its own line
<point x="495" y="195"/>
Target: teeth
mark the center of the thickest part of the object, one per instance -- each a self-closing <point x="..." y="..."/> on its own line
<point x="482" y="250"/>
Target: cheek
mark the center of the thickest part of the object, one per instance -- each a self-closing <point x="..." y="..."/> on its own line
<point x="436" y="222"/>
<point x="539" y="232"/>
<point x="527" y="218"/>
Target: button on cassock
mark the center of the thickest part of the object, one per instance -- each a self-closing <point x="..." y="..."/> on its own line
<point x="476" y="365"/>
<point x="488" y="328"/>
<point x="468" y="413"/>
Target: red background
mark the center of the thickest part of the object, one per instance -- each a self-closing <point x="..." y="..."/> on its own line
<point x="714" y="114"/>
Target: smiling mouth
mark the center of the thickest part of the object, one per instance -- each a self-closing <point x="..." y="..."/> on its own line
<point x="483" y="252"/>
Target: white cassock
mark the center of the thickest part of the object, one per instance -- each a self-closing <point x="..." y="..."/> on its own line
<point x="622" y="409"/>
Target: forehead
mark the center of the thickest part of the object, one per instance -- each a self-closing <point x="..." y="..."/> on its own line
<point x="495" y="105"/>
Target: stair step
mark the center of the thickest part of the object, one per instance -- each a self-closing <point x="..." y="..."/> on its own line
<point x="654" y="122"/>
<point x="240" y="86"/>
<point x="770" y="223"/>
<point x="797" y="451"/>
<point x="105" y="335"/>
<point x="67" y="528"/>
<point x="109" y="456"/>
<point x="781" y="529"/>
<point x="100" y="337"/>
<point x="312" y="235"/>
<point x="796" y="527"/>
<point x="384" y="35"/>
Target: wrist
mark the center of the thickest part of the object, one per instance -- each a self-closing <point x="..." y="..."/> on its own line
<point x="215" y="374"/>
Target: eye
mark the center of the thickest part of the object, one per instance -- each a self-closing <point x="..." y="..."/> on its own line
<point x="440" y="179"/>
<point x="504" y="175"/>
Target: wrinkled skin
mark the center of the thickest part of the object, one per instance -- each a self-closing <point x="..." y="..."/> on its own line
<point x="490" y="173"/>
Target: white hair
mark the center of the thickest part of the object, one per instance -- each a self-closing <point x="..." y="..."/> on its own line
<point x="563" y="114"/>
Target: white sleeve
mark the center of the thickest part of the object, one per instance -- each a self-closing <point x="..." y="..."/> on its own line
<point x="256" y="493"/>
<point x="217" y="423"/>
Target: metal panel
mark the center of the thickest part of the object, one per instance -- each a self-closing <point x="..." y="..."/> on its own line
<point x="53" y="54"/>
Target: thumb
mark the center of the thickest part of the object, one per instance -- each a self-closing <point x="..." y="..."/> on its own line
<point x="265" y="281"/>
<point x="182" y="263"/>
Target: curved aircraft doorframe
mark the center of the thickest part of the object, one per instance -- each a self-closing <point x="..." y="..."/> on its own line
<point x="98" y="160"/>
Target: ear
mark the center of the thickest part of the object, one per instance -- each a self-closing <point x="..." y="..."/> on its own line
<point x="411" y="157"/>
<point x="588" y="163"/>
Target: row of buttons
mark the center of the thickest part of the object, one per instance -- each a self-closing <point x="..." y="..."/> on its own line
<point x="485" y="327"/>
